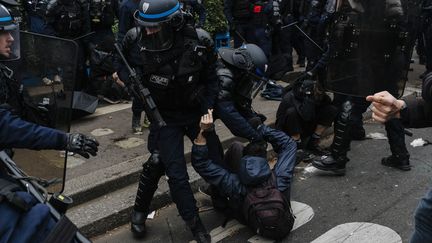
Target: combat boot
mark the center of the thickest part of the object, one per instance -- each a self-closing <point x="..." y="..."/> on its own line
<point x="397" y="161"/>
<point x="153" y="170"/>
<point x="337" y="160"/>
<point x="138" y="226"/>
<point x="199" y="232"/>
<point x="331" y="163"/>
<point x="396" y="137"/>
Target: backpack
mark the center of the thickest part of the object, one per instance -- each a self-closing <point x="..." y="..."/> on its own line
<point x="267" y="211"/>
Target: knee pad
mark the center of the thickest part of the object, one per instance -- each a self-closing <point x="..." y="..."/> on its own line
<point x="153" y="167"/>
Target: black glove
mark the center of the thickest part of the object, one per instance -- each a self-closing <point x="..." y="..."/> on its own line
<point x="255" y="122"/>
<point x="82" y="145"/>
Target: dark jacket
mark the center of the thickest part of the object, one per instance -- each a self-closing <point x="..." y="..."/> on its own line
<point x="233" y="105"/>
<point x="418" y="112"/>
<point x="230" y="184"/>
<point x="190" y="84"/>
<point x="126" y="19"/>
<point x="17" y="133"/>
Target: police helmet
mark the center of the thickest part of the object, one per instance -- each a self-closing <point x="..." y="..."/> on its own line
<point x="160" y="18"/>
<point x="8" y="29"/>
<point x="248" y="57"/>
<point x="205" y="38"/>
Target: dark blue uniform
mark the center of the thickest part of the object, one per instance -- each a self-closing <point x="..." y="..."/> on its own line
<point x="183" y="89"/>
<point x="195" y="7"/>
<point x="250" y="20"/>
<point x="126" y="20"/>
<point x="34" y="224"/>
<point x="234" y="102"/>
<point x="17" y="133"/>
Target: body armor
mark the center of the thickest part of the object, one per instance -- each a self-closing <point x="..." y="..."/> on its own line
<point x="101" y="13"/>
<point x="175" y="73"/>
<point x="370" y="48"/>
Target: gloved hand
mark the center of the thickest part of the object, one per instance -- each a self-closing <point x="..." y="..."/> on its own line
<point x="82" y="145"/>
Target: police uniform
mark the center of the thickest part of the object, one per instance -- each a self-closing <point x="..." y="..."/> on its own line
<point x="102" y="17"/>
<point x="251" y="20"/>
<point x="195" y="7"/>
<point x="183" y="85"/>
<point x="385" y="23"/>
<point x="66" y="19"/>
<point x="126" y="21"/>
<point x="426" y="33"/>
<point x="234" y="102"/>
<point x="23" y="218"/>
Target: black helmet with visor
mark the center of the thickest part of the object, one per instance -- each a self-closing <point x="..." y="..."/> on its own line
<point x="159" y="19"/>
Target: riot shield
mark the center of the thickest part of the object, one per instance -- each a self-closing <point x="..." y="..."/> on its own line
<point x="47" y="73"/>
<point x="370" y="48"/>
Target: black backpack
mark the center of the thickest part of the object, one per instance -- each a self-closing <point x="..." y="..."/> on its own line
<point x="267" y="211"/>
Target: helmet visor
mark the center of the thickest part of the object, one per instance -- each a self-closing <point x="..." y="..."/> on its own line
<point x="9" y="45"/>
<point x="157" y="38"/>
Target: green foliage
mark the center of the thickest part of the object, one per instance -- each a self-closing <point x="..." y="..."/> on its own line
<point x="216" y="21"/>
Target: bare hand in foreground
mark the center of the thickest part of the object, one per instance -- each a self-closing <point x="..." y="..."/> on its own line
<point x="385" y="106"/>
<point x="207" y="121"/>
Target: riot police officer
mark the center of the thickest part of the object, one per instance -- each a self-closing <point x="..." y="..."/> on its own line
<point x="239" y="71"/>
<point x="62" y="18"/>
<point x="126" y="21"/>
<point x="164" y="50"/>
<point x="390" y="20"/>
<point x="102" y="16"/>
<point x="195" y="7"/>
<point x="17" y="206"/>
<point x="251" y="21"/>
<point x="426" y="33"/>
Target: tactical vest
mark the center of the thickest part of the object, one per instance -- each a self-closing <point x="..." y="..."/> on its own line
<point x="174" y="76"/>
<point x="369" y="47"/>
<point x="10" y="90"/>
<point x="67" y="18"/>
<point x="241" y="10"/>
<point x="101" y="13"/>
<point x="36" y="7"/>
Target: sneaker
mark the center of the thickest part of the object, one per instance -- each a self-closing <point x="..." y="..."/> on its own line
<point x="136" y="124"/>
<point x="398" y="162"/>
<point x="329" y="163"/>
<point x="146" y="122"/>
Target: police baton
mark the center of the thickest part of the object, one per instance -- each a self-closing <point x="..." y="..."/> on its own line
<point x="295" y="24"/>
<point x="241" y="37"/>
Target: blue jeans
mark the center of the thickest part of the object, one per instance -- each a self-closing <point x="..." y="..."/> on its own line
<point x="423" y="220"/>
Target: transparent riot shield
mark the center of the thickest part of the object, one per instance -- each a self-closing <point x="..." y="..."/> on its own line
<point x="370" y="48"/>
<point x="47" y="72"/>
